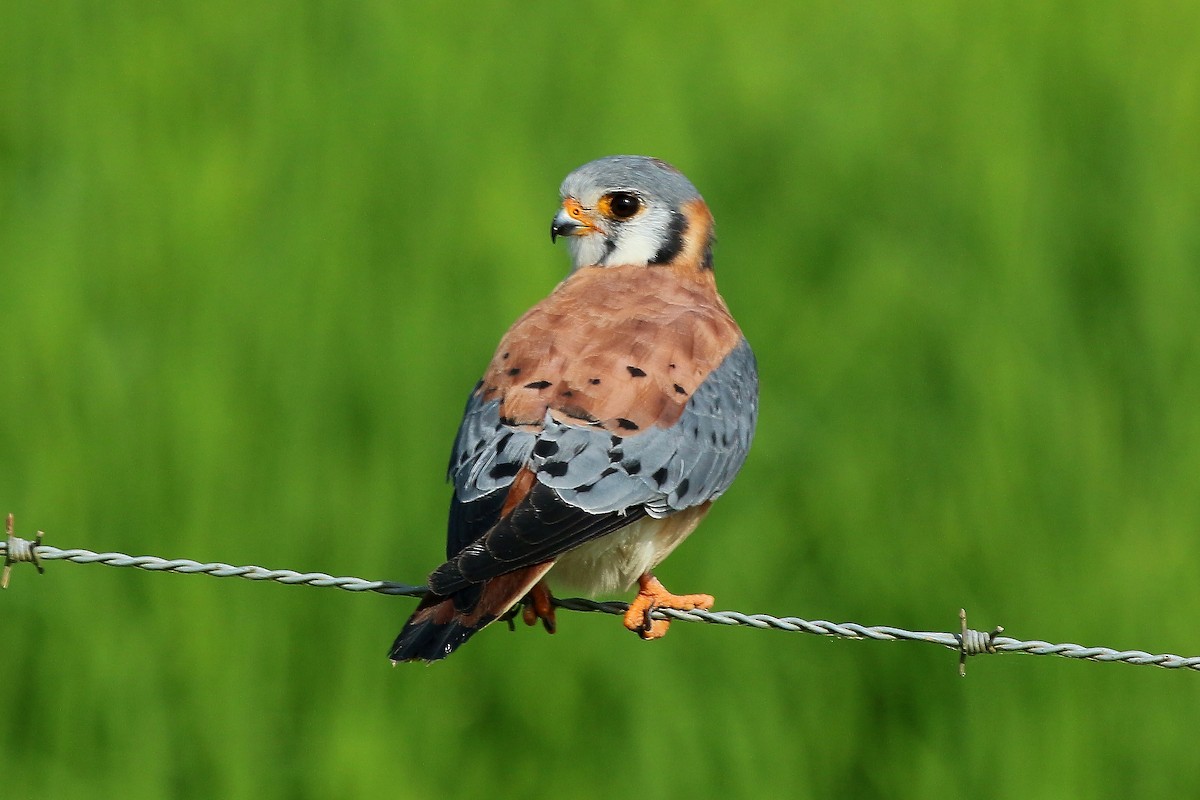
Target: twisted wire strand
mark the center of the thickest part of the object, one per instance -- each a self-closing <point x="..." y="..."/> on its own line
<point x="967" y="643"/>
<point x="217" y="569"/>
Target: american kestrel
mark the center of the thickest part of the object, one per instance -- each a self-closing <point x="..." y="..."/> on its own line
<point x="611" y="416"/>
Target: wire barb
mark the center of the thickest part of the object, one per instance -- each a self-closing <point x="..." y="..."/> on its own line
<point x="17" y="549"/>
<point x="966" y="642"/>
<point x="973" y="643"/>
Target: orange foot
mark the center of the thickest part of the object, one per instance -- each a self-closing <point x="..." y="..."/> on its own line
<point x="651" y="595"/>
<point x="538" y="605"/>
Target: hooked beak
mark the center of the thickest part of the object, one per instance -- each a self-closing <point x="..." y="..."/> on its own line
<point x="571" y="220"/>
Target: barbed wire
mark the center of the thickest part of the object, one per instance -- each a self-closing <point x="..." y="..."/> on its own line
<point x="967" y="642"/>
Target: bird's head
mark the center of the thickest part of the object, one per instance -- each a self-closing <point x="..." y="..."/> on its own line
<point x="633" y="210"/>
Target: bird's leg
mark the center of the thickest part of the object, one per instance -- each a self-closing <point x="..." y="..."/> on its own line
<point x="538" y="605"/>
<point x="651" y="595"/>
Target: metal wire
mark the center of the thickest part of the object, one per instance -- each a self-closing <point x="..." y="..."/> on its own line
<point x="967" y="642"/>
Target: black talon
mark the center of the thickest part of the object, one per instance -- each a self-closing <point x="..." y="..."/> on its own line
<point x="511" y="615"/>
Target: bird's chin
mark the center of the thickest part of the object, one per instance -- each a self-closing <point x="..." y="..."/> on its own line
<point x="588" y="250"/>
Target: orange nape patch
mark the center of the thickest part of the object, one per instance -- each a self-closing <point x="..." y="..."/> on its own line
<point x="695" y="253"/>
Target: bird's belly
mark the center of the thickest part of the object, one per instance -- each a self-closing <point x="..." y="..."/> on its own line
<point x="613" y="562"/>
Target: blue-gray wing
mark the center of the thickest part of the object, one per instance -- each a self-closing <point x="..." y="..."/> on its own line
<point x="664" y="469"/>
<point x="598" y="480"/>
<point x="487" y="455"/>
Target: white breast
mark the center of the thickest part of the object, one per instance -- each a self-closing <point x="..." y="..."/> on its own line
<point x="612" y="563"/>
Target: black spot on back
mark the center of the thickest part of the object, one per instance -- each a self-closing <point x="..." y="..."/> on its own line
<point x="627" y="424"/>
<point x="577" y="412"/>
<point x="660" y="476"/>
<point x="537" y="385"/>
<point x="514" y="372"/>
<point x="505" y="470"/>
<point x="679" y="389"/>
<point x="636" y="372"/>
<point x="555" y="469"/>
<point x="545" y="448"/>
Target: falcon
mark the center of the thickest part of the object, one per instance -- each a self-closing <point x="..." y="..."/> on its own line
<point x="612" y="415"/>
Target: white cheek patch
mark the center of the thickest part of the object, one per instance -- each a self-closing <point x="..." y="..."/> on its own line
<point x="635" y="242"/>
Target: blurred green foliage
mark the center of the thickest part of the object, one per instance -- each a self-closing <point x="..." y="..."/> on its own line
<point x="253" y="255"/>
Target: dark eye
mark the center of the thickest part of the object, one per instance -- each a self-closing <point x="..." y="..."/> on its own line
<point x="624" y="205"/>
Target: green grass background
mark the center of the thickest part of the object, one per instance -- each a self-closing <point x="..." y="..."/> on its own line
<point x="253" y="255"/>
